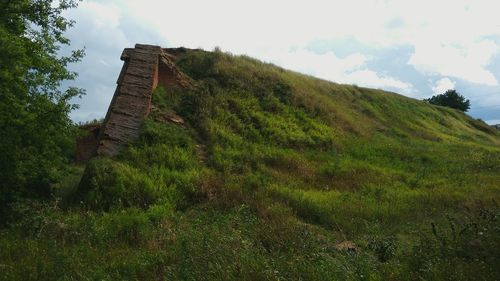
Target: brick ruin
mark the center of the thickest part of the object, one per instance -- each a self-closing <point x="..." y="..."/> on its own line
<point x="144" y="68"/>
<point x="86" y="145"/>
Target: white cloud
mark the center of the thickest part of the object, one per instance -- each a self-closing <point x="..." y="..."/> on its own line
<point x="103" y="15"/>
<point x="98" y="24"/>
<point x="243" y="25"/>
<point x="371" y="78"/>
<point x="444" y="45"/>
<point x="451" y="39"/>
<point x="442" y="85"/>
<point x="493" y="121"/>
<point x="468" y="63"/>
<point x="327" y="66"/>
<point x="348" y="70"/>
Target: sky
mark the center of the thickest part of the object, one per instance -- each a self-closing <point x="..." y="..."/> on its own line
<point x="414" y="48"/>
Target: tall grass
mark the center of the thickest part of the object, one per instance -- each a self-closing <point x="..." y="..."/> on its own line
<point x="271" y="170"/>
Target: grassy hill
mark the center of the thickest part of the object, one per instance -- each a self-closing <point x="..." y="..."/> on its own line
<point x="274" y="175"/>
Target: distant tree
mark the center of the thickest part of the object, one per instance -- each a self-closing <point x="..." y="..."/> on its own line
<point x="450" y="98"/>
<point x="36" y="133"/>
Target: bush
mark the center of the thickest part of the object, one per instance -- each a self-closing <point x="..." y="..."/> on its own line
<point x="112" y="184"/>
<point x="37" y="133"/>
<point x="464" y="247"/>
<point x="162" y="166"/>
<point x="450" y="98"/>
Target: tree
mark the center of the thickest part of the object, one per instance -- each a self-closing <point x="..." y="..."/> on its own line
<point x="450" y="98"/>
<point x="37" y="134"/>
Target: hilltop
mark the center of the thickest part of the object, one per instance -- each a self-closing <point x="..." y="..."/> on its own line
<point x="253" y="172"/>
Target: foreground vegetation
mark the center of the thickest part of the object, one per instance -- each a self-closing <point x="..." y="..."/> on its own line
<point x="270" y="173"/>
<point x="37" y="135"/>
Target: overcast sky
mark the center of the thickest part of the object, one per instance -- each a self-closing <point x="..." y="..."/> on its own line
<point x="415" y="48"/>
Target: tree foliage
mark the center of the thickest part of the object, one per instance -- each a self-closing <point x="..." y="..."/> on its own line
<point x="451" y="98"/>
<point x="37" y="134"/>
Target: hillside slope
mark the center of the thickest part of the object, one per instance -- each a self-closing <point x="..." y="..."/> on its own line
<point x="274" y="175"/>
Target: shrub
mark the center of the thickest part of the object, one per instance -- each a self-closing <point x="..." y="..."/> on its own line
<point x="450" y="98"/>
<point x="464" y="247"/>
<point x="111" y="184"/>
<point x="384" y="248"/>
<point x="37" y="133"/>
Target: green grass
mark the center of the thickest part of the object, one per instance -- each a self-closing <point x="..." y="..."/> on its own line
<point x="270" y="171"/>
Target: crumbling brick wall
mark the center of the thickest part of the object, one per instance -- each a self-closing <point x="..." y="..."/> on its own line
<point x="145" y="67"/>
<point x="86" y="144"/>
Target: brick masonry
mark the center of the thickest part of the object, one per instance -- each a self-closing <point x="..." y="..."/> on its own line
<point x="145" y="67"/>
<point x="86" y="144"/>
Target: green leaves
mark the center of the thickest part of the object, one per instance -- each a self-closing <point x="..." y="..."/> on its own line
<point x="450" y="98"/>
<point x="37" y="134"/>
